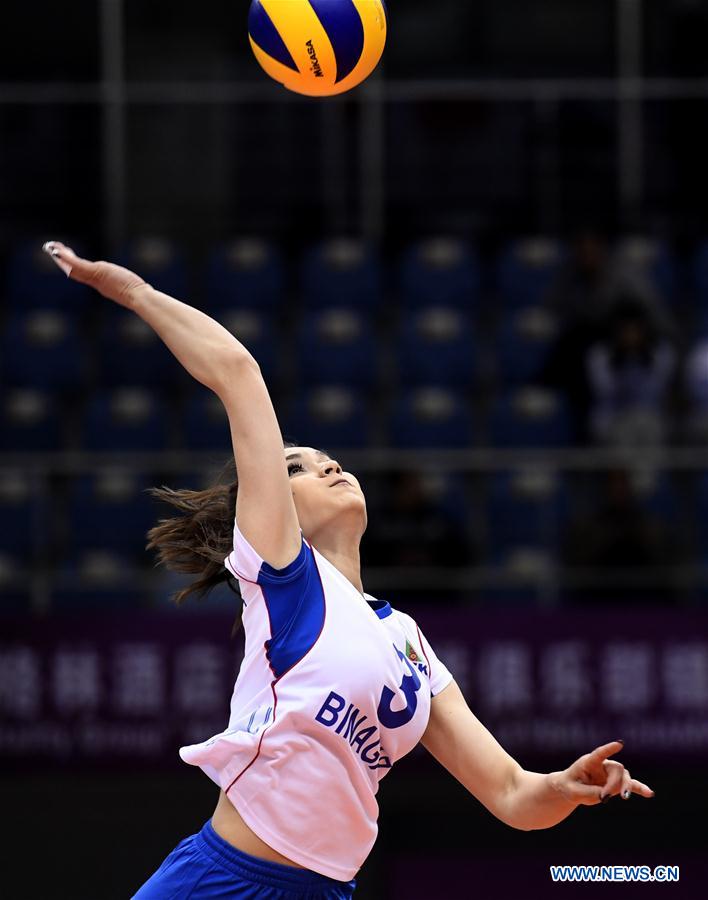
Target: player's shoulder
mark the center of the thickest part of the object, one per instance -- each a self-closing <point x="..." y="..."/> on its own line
<point x="406" y="621"/>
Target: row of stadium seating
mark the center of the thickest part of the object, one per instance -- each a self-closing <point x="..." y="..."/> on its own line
<point x="438" y="345"/>
<point x="329" y="416"/>
<point x="251" y="273"/>
<point x="111" y="509"/>
<point x="92" y="528"/>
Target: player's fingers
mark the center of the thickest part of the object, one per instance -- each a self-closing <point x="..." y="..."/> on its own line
<point x="640" y="788"/>
<point x="600" y="754"/>
<point x="615" y="773"/>
<point x="71" y="265"/>
<point x="626" y="785"/>
<point x="585" y="794"/>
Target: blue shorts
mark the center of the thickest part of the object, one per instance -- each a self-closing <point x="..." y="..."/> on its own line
<point x="205" y="866"/>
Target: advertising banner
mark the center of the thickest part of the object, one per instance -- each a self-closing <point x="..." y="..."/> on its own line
<point x="134" y="688"/>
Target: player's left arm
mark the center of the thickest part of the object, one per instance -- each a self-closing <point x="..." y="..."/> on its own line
<point x="522" y="799"/>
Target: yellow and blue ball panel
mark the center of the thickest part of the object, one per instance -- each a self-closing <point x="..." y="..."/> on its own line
<point x="318" y="47"/>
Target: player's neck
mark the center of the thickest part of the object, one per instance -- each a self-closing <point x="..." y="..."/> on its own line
<point x="342" y="551"/>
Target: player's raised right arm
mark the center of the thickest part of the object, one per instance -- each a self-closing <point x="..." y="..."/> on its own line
<point x="214" y="357"/>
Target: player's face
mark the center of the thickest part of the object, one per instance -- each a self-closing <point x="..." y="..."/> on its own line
<point x="322" y="491"/>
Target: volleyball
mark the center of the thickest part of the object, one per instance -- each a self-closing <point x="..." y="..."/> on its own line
<point x="318" y="47"/>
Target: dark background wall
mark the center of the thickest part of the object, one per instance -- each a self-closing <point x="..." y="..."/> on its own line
<point x="531" y="141"/>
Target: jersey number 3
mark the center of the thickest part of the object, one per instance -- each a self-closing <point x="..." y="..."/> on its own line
<point x="410" y="686"/>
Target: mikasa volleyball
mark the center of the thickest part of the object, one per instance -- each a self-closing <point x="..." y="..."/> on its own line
<point x="318" y="47"/>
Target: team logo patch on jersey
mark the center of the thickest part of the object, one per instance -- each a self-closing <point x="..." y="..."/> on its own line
<point x="411" y="653"/>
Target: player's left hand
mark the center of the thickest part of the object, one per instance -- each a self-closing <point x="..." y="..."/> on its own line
<point x="594" y="778"/>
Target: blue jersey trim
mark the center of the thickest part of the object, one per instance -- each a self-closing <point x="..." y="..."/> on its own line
<point x="382" y="608"/>
<point x="295" y="601"/>
<point x="289" y="573"/>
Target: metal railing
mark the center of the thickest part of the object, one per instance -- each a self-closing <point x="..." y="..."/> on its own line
<point x="114" y="95"/>
<point x="547" y="582"/>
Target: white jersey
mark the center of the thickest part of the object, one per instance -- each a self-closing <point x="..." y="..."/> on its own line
<point x="334" y="688"/>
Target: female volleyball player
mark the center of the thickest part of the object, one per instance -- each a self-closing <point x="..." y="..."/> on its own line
<point x="335" y="686"/>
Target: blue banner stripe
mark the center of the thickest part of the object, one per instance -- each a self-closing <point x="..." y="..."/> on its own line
<point x="342" y="22"/>
<point x="265" y="34"/>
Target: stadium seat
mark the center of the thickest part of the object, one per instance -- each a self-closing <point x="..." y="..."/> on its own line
<point x="441" y="272"/>
<point x="205" y="424"/>
<point x="98" y="580"/>
<point x="257" y="332"/>
<point x="328" y="417"/>
<point x="652" y="259"/>
<point x="530" y="417"/>
<point x="30" y="420"/>
<point x="523" y="343"/>
<point x="34" y="282"/>
<point x="657" y="494"/>
<point x="131" y="353"/>
<point x="526" y="269"/>
<point x="127" y="419"/>
<point x="525" y="509"/>
<point x="431" y="417"/>
<point x="14" y="585"/>
<point x="436" y="346"/>
<point x="159" y="261"/>
<point x="18" y="512"/>
<point x="523" y="578"/>
<point x="42" y="349"/>
<point x="341" y="273"/>
<point x="246" y="272"/>
<point x="110" y="510"/>
<point x="337" y="345"/>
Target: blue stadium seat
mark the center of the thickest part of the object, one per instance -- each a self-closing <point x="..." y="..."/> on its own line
<point x="160" y="262"/>
<point x="34" y="281"/>
<point x="654" y="260"/>
<point x="656" y="493"/>
<point x="29" y="420"/>
<point x="244" y="273"/>
<point x="526" y="269"/>
<point x="523" y="343"/>
<point x="110" y="510"/>
<point x="257" y="331"/>
<point x="337" y="346"/>
<point x="441" y="272"/>
<point x="341" y="272"/>
<point x="98" y="580"/>
<point x="525" y="509"/>
<point x="131" y="353"/>
<point x="43" y="349"/>
<point x="127" y="419"/>
<point x="18" y="514"/>
<point x="14" y="584"/>
<point x="205" y="424"/>
<point x="437" y="346"/>
<point x="328" y="417"/>
<point x="524" y="575"/>
<point x="530" y="417"/>
<point x="449" y="494"/>
<point x="431" y="417"/>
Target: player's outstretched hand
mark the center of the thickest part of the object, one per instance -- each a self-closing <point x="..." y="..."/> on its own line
<point x="114" y="282"/>
<point x="594" y="778"/>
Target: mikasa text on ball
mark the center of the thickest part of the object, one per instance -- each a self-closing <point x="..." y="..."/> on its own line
<point x="318" y="47"/>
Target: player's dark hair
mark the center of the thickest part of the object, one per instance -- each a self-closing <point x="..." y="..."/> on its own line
<point x="197" y="541"/>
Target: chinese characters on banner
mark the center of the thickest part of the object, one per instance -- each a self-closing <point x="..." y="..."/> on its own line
<point x="137" y="688"/>
<point x="127" y="689"/>
<point x="569" y="681"/>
